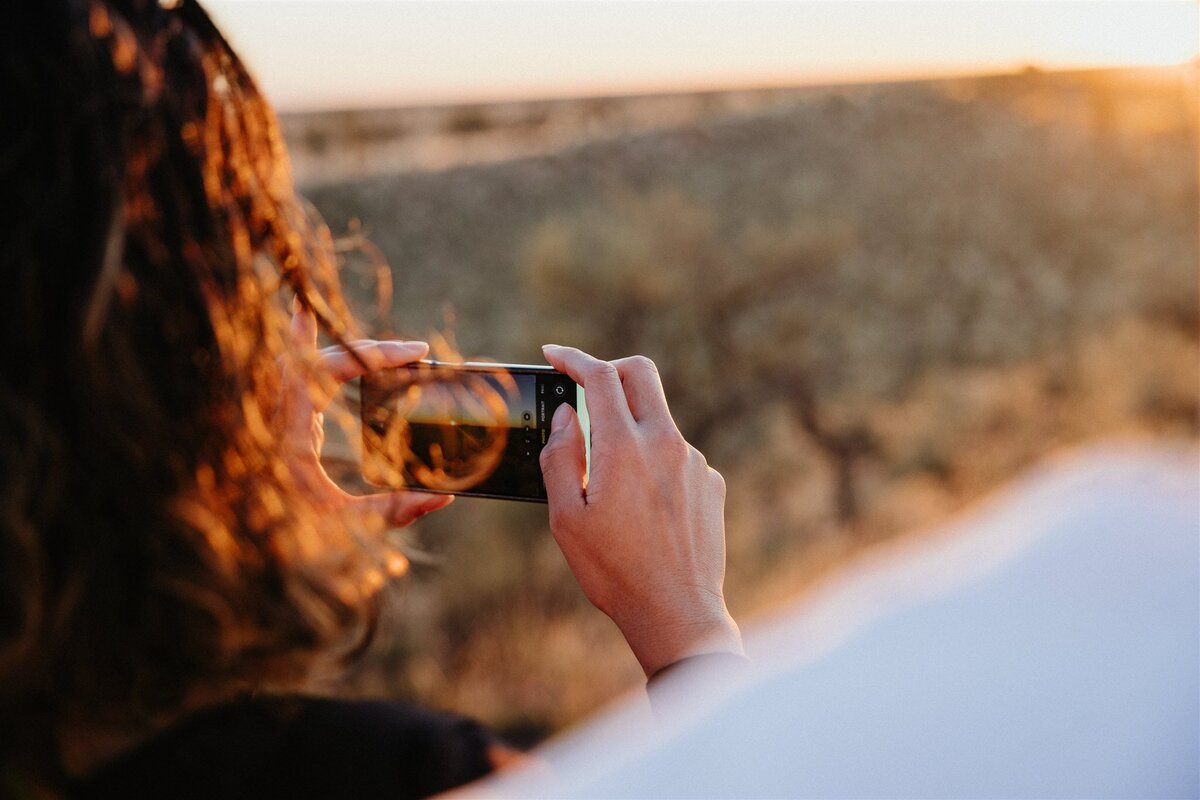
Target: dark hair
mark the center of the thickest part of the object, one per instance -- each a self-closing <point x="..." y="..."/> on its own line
<point x="152" y="544"/>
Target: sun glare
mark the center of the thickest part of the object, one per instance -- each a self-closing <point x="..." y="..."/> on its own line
<point x="1123" y="37"/>
<point x="321" y="54"/>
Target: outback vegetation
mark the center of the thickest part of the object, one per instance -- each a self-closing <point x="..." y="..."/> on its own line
<point x="869" y="305"/>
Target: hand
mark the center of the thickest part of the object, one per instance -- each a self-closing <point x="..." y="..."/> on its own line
<point x="646" y="536"/>
<point x="305" y="395"/>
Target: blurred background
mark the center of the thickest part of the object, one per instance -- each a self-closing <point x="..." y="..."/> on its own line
<point x="886" y="255"/>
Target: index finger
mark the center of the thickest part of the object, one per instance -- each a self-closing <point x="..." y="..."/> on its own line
<point x="605" y="397"/>
<point x="343" y="365"/>
<point x="337" y="365"/>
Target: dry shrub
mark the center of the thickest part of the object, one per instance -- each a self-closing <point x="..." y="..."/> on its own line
<point x="868" y="309"/>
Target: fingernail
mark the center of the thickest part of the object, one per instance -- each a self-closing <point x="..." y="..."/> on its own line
<point x="559" y="420"/>
<point x="548" y="346"/>
<point x="297" y="306"/>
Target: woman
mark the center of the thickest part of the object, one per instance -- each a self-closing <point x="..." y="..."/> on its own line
<point x="173" y="558"/>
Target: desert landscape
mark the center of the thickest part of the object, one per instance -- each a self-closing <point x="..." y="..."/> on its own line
<point x="870" y="306"/>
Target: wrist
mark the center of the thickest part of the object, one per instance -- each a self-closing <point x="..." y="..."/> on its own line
<point x="672" y="638"/>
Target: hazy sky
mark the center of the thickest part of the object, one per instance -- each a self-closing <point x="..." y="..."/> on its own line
<point x="344" y="53"/>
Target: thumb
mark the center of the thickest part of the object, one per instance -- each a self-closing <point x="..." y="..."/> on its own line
<point x="398" y="509"/>
<point x="563" y="460"/>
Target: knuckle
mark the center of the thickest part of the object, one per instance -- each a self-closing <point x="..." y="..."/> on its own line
<point x="718" y="481"/>
<point x="643" y="364"/>
<point x="602" y="371"/>
<point x="667" y="439"/>
<point x="553" y="446"/>
<point x="671" y="448"/>
<point x="372" y="356"/>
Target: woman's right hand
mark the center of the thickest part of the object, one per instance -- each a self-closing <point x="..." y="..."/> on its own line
<point x="645" y="537"/>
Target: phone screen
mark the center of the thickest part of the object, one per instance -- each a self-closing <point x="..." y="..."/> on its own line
<point x="470" y="429"/>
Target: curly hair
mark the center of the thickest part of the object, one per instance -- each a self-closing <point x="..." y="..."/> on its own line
<point x="152" y="542"/>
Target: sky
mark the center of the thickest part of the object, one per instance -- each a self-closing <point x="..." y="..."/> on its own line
<point x="312" y="54"/>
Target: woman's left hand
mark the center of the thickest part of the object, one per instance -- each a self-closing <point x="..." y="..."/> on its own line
<point x="303" y="424"/>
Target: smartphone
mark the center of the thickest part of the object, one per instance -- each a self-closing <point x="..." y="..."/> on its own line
<point x="474" y="429"/>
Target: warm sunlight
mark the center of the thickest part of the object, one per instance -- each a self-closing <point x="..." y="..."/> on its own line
<point x="864" y="466"/>
<point x="340" y="54"/>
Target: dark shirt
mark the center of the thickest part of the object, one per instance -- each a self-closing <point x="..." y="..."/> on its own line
<point x="300" y="747"/>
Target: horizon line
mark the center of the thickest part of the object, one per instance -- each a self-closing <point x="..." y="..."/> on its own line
<point x="684" y="88"/>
